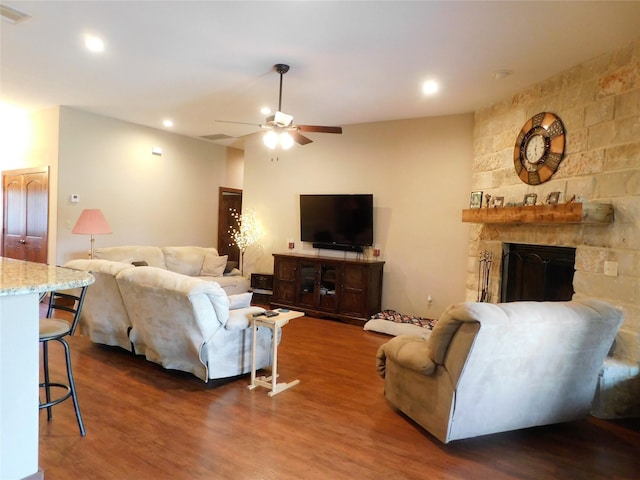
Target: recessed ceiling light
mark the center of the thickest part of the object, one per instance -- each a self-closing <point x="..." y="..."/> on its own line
<point x="429" y="87"/>
<point x="265" y="110"/>
<point x="93" y="43"/>
<point x="167" y="123"/>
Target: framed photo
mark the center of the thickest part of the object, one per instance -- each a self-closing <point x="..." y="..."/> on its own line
<point x="553" y="198"/>
<point x="476" y="200"/>
<point x="498" y="201"/>
<point x="530" y="198"/>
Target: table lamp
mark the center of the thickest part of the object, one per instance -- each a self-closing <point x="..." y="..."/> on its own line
<point x="91" y="222"/>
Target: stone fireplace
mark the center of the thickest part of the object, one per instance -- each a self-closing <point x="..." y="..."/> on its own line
<point x="599" y="104"/>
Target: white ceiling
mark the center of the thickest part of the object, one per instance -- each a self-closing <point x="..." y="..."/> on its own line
<point x="351" y="62"/>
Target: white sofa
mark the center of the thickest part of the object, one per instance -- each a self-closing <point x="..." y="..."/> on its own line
<point x="489" y="368"/>
<point x="187" y="324"/>
<point x="201" y="262"/>
<point x="181" y="322"/>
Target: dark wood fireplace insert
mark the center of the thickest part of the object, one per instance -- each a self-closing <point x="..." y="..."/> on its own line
<point x="537" y="272"/>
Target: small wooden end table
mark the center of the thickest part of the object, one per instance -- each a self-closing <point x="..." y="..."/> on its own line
<point x="272" y="323"/>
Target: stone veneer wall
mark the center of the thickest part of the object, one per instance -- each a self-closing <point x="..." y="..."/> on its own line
<point x="599" y="104"/>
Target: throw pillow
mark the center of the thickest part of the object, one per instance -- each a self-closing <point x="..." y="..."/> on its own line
<point x="213" y="265"/>
<point x="240" y="300"/>
<point x="186" y="260"/>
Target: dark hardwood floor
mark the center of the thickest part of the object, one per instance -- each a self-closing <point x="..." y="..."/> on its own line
<point x="144" y="422"/>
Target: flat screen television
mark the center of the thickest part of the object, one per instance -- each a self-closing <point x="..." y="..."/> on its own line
<point x="337" y="222"/>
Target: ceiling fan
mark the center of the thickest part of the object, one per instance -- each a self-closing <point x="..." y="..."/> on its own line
<point x="281" y="131"/>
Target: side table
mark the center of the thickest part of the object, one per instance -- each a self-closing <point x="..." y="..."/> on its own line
<point x="272" y="323"/>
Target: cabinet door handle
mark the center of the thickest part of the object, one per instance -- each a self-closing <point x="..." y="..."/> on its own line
<point x="22" y="241"/>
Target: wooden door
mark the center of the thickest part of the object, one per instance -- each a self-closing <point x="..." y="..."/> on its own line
<point x="26" y="214"/>
<point x="229" y="202"/>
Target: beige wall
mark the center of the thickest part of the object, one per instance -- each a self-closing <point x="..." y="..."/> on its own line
<point x="147" y="199"/>
<point x="235" y="168"/>
<point x="31" y="140"/>
<point x="419" y="173"/>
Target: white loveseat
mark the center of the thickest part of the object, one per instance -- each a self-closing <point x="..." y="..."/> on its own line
<point x="201" y="262"/>
<point x="489" y="368"/>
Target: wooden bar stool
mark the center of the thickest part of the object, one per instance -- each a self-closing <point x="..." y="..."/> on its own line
<point x="52" y="328"/>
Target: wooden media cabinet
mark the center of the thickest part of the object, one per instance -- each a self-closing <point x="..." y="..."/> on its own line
<point x="347" y="290"/>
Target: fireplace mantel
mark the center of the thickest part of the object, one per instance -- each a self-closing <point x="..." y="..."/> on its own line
<point x="563" y="213"/>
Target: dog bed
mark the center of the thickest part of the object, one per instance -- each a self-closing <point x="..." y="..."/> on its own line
<point x="393" y="323"/>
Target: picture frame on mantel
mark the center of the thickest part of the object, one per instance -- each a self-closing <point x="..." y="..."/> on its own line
<point x="530" y="198"/>
<point x="498" y="202"/>
<point x="476" y="200"/>
<point x="553" y="198"/>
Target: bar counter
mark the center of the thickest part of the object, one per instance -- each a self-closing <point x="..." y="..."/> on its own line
<point x="21" y="284"/>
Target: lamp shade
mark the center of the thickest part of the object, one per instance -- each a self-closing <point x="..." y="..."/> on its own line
<point x="91" y="222"/>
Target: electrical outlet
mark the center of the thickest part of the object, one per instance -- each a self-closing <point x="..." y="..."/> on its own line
<point x="611" y="269"/>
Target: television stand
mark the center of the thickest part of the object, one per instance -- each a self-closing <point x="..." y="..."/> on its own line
<point x="344" y="289"/>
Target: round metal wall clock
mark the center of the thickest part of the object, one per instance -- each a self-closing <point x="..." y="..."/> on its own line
<point x="539" y="148"/>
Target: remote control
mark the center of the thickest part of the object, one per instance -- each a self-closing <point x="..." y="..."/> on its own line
<point x="270" y="313"/>
<point x="259" y="314"/>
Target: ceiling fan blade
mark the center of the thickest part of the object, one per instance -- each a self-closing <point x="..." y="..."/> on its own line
<point x="299" y="138"/>
<point x="319" y="129"/>
<point x="240" y="123"/>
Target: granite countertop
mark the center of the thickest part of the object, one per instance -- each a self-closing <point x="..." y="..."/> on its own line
<point x="18" y="277"/>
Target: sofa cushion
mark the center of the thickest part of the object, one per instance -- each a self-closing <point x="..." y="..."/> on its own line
<point x="186" y="260"/>
<point x="128" y="254"/>
<point x="213" y="265"/>
<point x="97" y="265"/>
<point x="232" y="284"/>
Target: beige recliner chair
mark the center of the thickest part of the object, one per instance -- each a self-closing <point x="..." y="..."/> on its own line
<point x="490" y="368"/>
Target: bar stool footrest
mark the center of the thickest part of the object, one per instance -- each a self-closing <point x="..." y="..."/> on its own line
<point x="58" y="400"/>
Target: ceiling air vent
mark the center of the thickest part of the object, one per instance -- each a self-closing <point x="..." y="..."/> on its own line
<point x="12" y="15"/>
<point x="217" y="136"/>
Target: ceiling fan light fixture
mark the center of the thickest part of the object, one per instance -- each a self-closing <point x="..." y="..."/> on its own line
<point x="286" y="140"/>
<point x="273" y="139"/>
<point x="270" y="139"/>
<point x="280" y="132"/>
